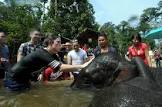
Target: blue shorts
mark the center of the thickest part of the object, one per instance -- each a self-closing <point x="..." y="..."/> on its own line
<point x="14" y="86"/>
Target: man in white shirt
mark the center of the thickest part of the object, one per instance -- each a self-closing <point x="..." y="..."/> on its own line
<point x="76" y="56"/>
<point x="151" y="55"/>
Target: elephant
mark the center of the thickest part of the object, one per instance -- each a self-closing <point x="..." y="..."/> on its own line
<point x="100" y="72"/>
<point x="121" y="83"/>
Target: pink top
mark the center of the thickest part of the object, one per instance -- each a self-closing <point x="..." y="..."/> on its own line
<point x="138" y="51"/>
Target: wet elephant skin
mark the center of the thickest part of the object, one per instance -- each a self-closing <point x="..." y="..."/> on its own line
<point x="141" y="88"/>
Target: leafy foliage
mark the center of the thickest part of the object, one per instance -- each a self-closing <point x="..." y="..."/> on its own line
<point x="68" y="17"/>
<point x="119" y="35"/>
<point x="17" y="20"/>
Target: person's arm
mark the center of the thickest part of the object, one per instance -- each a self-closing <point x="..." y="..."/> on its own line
<point x="129" y="54"/>
<point x="71" y="68"/>
<point x="147" y="56"/>
<point x="66" y="67"/>
<point x="20" y="52"/>
<point x="69" y="60"/>
<point x="19" y="56"/>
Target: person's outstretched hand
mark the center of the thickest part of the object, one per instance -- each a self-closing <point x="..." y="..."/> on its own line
<point x="87" y="63"/>
<point x="40" y="77"/>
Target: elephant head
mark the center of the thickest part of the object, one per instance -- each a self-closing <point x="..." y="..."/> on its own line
<point x="139" y="90"/>
<point x="103" y="71"/>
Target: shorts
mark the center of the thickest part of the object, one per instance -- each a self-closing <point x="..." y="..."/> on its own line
<point x="12" y="85"/>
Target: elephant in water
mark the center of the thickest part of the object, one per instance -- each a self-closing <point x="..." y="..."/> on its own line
<point x="121" y="83"/>
<point x="101" y="72"/>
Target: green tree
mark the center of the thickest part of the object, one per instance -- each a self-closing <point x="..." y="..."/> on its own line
<point x="70" y="17"/>
<point x="17" y="20"/>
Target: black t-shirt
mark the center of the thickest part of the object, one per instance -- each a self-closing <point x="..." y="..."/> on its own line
<point x="21" y="71"/>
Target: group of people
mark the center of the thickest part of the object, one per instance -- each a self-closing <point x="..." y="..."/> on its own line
<point x="33" y="60"/>
<point x="44" y="62"/>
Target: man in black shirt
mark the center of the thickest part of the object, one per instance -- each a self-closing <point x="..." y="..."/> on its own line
<point x="20" y="75"/>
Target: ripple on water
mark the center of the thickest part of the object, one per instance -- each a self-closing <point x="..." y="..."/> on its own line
<point x="57" y="95"/>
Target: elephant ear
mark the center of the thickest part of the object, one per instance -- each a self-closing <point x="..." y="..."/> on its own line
<point x="142" y="68"/>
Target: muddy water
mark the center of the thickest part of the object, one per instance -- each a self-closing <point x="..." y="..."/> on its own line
<point x="57" y="95"/>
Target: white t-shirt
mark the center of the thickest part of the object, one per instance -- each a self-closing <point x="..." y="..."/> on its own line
<point x="151" y="53"/>
<point x="77" y="58"/>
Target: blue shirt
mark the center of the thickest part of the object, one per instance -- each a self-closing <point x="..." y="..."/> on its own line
<point x="4" y="52"/>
